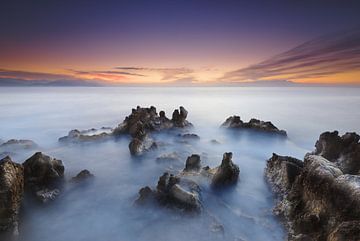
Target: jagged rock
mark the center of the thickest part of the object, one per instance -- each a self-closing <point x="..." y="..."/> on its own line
<point x="11" y="194"/>
<point x="235" y="122"/>
<point x="82" y="175"/>
<point x="75" y="136"/>
<point x="344" y="150"/>
<point x="227" y="173"/>
<point x="43" y="174"/>
<point x="281" y="172"/>
<point x="318" y="198"/>
<point x="14" y="145"/>
<point x="142" y="121"/>
<point x="173" y="192"/>
<point x="192" y="163"/>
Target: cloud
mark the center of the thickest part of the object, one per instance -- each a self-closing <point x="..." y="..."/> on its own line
<point x="28" y="75"/>
<point x="167" y="73"/>
<point x="106" y="72"/>
<point x="320" y="57"/>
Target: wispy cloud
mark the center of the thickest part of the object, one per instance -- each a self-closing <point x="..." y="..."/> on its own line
<point x="28" y="75"/>
<point x="321" y="57"/>
<point x="167" y="73"/>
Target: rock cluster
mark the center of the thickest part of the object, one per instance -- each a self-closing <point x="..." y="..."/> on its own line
<point x="142" y="121"/>
<point x="319" y="198"/>
<point x="182" y="191"/>
<point x="235" y="122"/>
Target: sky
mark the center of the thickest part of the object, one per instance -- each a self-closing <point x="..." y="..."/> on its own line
<point x="181" y="42"/>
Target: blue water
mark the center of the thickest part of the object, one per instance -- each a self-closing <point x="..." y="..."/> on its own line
<point x="104" y="210"/>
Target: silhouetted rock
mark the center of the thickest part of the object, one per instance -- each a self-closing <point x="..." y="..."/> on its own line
<point x="227" y="173"/>
<point x="344" y="150"/>
<point x="235" y="122"/>
<point x="43" y="176"/>
<point x="11" y="194"/>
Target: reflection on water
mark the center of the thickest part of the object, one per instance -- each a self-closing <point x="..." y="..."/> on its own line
<point x="103" y="209"/>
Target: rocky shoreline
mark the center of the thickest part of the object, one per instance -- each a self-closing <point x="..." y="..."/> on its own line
<point x="317" y="198"/>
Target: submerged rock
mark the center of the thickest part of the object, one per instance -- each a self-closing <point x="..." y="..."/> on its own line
<point x="14" y="145"/>
<point x="344" y="150"/>
<point x="168" y="157"/>
<point x="11" y="194"/>
<point x="317" y="200"/>
<point x="43" y="175"/>
<point x="76" y="136"/>
<point x="227" y="173"/>
<point x="82" y="176"/>
<point x="235" y="122"/>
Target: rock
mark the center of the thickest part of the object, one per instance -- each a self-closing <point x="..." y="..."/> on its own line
<point x="142" y="121"/>
<point x="227" y="173"/>
<point x="172" y="192"/>
<point x="43" y="173"/>
<point x="140" y="146"/>
<point x="15" y="145"/>
<point x="281" y="172"/>
<point x="235" y="122"/>
<point x="192" y="163"/>
<point x="168" y="157"/>
<point x="346" y="231"/>
<point x="76" y="136"/>
<point x="46" y="195"/>
<point x="315" y="198"/>
<point x="82" y="176"/>
<point x="344" y="150"/>
<point x="11" y="194"/>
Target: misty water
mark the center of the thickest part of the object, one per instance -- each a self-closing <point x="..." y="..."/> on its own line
<point x="103" y="208"/>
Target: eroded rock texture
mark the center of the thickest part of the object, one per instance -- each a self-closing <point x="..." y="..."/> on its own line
<point x="11" y="194"/>
<point x="317" y="199"/>
<point x="235" y="122"/>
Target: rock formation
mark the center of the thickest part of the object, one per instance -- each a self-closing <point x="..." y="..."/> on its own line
<point x="11" y="194"/>
<point x="75" y="136"/>
<point x="82" y="176"/>
<point x="227" y="173"/>
<point x="235" y="122"/>
<point x="319" y="199"/>
<point x="43" y="176"/>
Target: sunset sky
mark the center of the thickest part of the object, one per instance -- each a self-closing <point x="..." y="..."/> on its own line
<point x="181" y="42"/>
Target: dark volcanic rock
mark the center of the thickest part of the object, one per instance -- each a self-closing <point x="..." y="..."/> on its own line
<point x="227" y="173"/>
<point x="11" y="194"/>
<point x="316" y="199"/>
<point x="82" y="176"/>
<point x="234" y="122"/>
<point x="344" y="150"/>
<point x="193" y="163"/>
<point x="43" y="176"/>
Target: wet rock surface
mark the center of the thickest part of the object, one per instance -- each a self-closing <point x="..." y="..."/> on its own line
<point x="11" y="194"/>
<point x="227" y="173"/>
<point x="235" y="122"/>
<point x="43" y="176"/>
<point x="82" y="176"/>
<point x="316" y="198"/>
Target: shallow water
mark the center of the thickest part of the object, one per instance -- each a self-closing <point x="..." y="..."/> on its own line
<point x="103" y="209"/>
